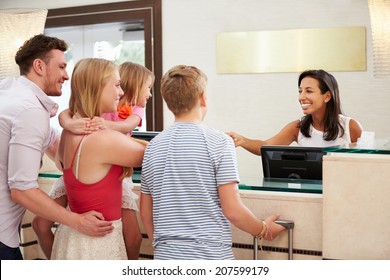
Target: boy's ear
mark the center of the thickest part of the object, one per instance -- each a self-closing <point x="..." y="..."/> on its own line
<point x="203" y="99"/>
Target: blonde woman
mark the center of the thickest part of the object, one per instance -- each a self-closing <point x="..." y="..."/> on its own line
<point x="94" y="165"/>
<point x="136" y="82"/>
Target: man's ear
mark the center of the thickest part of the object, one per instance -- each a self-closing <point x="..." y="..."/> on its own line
<point x="38" y="66"/>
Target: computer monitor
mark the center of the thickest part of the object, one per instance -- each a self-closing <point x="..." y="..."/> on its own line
<point x="143" y="135"/>
<point x="292" y="162"/>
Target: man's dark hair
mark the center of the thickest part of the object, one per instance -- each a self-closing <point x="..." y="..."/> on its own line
<point x="38" y="46"/>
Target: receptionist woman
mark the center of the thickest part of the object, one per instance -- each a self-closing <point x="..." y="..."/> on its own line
<point x="323" y="123"/>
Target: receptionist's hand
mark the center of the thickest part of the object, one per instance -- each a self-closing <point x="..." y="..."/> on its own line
<point x="237" y="138"/>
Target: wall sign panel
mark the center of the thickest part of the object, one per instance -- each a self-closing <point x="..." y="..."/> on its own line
<point x="295" y="50"/>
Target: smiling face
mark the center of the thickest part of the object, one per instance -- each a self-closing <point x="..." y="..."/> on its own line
<point x="145" y="93"/>
<point x="111" y="94"/>
<point x="54" y="73"/>
<point x="312" y="100"/>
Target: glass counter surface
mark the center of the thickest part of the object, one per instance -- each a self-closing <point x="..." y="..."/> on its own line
<point x="284" y="185"/>
<point x="380" y="146"/>
<point x="256" y="184"/>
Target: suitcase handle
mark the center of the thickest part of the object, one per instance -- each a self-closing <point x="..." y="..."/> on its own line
<point x="289" y="225"/>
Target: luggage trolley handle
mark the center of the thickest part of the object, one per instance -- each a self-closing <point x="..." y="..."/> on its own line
<point x="289" y="225"/>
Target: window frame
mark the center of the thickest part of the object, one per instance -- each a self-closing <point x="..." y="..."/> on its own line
<point x="147" y="10"/>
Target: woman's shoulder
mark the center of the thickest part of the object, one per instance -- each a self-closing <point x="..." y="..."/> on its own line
<point x="353" y="127"/>
<point x="344" y="119"/>
<point x="355" y="130"/>
<point x="295" y="123"/>
<point x="292" y="126"/>
<point x="287" y="135"/>
<point x="291" y="130"/>
<point x="105" y="136"/>
<point x="351" y="121"/>
<point x="355" y="123"/>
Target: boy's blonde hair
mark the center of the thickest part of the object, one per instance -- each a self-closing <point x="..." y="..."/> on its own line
<point x="181" y="87"/>
<point x="133" y="77"/>
<point x="89" y="77"/>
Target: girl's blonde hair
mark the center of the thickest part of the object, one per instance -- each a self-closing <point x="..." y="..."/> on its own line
<point x="133" y="77"/>
<point x="89" y="77"/>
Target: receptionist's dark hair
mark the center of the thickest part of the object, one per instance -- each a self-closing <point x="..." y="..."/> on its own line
<point x="333" y="108"/>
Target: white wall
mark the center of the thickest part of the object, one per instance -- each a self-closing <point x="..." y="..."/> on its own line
<point x="258" y="105"/>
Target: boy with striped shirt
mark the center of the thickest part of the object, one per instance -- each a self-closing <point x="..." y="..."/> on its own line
<point x="189" y="180"/>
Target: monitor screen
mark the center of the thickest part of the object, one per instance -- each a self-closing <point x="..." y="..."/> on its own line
<point x="143" y="135"/>
<point x="292" y="162"/>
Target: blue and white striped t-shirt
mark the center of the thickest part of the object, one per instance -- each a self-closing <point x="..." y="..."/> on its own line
<point x="182" y="169"/>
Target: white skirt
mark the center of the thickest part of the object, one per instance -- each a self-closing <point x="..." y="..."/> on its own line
<point x="69" y="244"/>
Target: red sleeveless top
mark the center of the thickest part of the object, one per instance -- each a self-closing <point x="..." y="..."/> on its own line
<point x="104" y="196"/>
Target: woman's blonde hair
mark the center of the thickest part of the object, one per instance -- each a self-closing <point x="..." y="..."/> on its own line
<point x="133" y="77"/>
<point x="89" y="77"/>
<point x="181" y="87"/>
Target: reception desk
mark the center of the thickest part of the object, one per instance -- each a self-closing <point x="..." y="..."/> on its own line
<point x="342" y="217"/>
<point x="297" y="201"/>
<point x="356" y="204"/>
